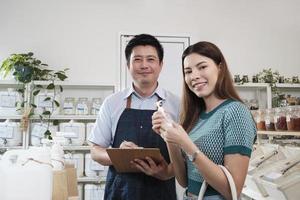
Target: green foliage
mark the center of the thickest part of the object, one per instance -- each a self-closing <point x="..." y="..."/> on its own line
<point x="26" y="69"/>
<point x="271" y="77"/>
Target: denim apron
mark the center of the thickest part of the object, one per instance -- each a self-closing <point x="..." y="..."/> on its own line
<point x="136" y="126"/>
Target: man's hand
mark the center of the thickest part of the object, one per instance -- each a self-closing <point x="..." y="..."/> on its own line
<point x="159" y="170"/>
<point x="128" y="145"/>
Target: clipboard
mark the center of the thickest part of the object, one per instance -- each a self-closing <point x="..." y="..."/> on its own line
<point x="121" y="158"/>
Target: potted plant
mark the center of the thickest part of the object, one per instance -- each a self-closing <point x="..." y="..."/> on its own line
<point x="271" y="77"/>
<point x="26" y="69"/>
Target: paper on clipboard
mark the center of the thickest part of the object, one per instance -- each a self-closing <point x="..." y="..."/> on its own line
<point x="121" y="157"/>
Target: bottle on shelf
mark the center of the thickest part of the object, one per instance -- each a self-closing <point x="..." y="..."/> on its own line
<point x="96" y="104"/>
<point x="82" y="107"/>
<point x="69" y="106"/>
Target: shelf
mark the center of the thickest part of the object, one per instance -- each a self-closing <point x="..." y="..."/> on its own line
<point x="10" y="148"/>
<point x="288" y="85"/>
<point x="62" y="117"/>
<point x="77" y="148"/>
<point x="290" y="133"/>
<point x="99" y="180"/>
<point x="252" y="85"/>
<point x="78" y="117"/>
<point x="76" y="85"/>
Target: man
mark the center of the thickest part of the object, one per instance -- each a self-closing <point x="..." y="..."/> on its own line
<point x="124" y="121"/>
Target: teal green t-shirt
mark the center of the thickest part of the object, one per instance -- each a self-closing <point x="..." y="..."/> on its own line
<point x="228" y="129"/>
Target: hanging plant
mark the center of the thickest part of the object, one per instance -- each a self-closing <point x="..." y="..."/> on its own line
<point x="26" y="69"/>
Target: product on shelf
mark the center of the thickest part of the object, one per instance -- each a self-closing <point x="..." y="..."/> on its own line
<point x="8" y="101"/>
<point x="254" y="79"/>
<point x="89" y="128"/>
<point x="96" y="104"/>
<point x="74" y="132"/>
<point x="47" y="105"/>
<point x="237" y="78"/>
<point x="82" y="107"/>
<point x="69" y="106"/>
<point x="260" y="120"/>
<point x="280" y="119"/>
<point x="269" y="120"/>
<point x="38" y="132"/>
<point x="245" y="79"/>
<point x="10" y="134"/>
<point x="93" y="192"/>
<point x="253" y="104"/>
<point x="94" y="169"/>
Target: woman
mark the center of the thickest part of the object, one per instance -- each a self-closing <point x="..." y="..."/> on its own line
<point x="216" y="127"/>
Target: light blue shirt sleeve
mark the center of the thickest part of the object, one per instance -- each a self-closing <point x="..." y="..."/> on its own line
<point x="102" y="131"/>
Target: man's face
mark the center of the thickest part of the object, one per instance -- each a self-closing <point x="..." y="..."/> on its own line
<point x="144" y="65"/>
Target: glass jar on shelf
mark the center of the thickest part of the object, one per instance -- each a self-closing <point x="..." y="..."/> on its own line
<point x="295" y="79"/>
<point x="69" y="106"/>
<point x="280" y="119"/>
<point x="259" y="118"/>
<point x="96" y="104"/>
<point x="245" y="79"/>
<point x="296" y="118"/>
<point x="290" y="118"/>
<point x="253" y="104"/>
<point x="281" y="79"/>
<point x="269" y="120"/>
<point x="254" y="79"/>
<point x="237" y="78"/>
<point x="82" y="107"/>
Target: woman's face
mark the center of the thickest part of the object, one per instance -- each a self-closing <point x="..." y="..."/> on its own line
<point x="200" y="74"/>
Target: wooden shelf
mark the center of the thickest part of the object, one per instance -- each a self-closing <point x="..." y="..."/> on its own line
<point x="252" y="85"/>
<point x="99" y="180"/>
<point x="289" y="133"/>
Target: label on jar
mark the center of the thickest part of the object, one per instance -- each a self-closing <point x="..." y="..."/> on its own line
<point x="68" y="108"/>
<point x="258" y="119"/>
<point x="72" y="129"/>
<point x="82" y="109"/>
<point x="267" y="121"/>
<point x="39" y="130"/>
<point x="275" y="119"/>
<point x="6" y="132"/>
<point x="288" y="118"/>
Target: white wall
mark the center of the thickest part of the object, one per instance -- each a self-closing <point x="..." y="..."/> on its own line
<point x="83" y="34"/>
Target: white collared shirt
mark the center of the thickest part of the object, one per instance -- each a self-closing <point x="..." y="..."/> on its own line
<point x="113" y="106"/>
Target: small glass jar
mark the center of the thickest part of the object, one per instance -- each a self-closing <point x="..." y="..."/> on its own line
<point x="260" y="120"/>
<point x="253" y="104"/>
<point x="96" y="104"/>
<point x="82" y="107"/>
<point x="269" y="120"/>
<point x="280" y="119"/>
<point x="295" y="79"/>
<point x="281" y="79"/>
<point x="245" y="79"/>
<point x="69" y="106"/>
<point x="237" y="78"/>
<point x="254" y="79"/>
<point x="296" y="118"/>
<point x="290" y="118"/>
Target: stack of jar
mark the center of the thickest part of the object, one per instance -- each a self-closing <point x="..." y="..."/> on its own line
<point x="82" y="106"/>
<point x="278" y="119"/>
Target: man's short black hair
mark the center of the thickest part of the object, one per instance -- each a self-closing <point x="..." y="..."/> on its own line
<point x="143" y="40"/>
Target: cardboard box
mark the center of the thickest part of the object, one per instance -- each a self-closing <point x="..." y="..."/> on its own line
<point x="65" y="183"/>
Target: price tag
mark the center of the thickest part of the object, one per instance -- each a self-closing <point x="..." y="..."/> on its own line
<point x="6" y="132"/>
<point x="96" y="166"/>
<point x="8" y="101"/>
<point x="39" y="130"/>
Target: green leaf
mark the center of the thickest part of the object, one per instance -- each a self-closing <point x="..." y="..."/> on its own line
<point x="50" y="86"/>
<point x="56" y="103"/>
<point x="38" y="86"/>
<point x="47" y="132"/>
<point x="36" y="92"/>
<point x="41" y="117"/>
<point x="47" y="99"/>
<point x="55" y="122"/>
<point x="33" y="105"/>
<point x="46" y="113"/>
<point x="61" y="76"/>
<point x="61" y="88"/>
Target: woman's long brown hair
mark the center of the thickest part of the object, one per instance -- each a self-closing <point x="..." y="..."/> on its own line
<point x="192" y="105"/>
